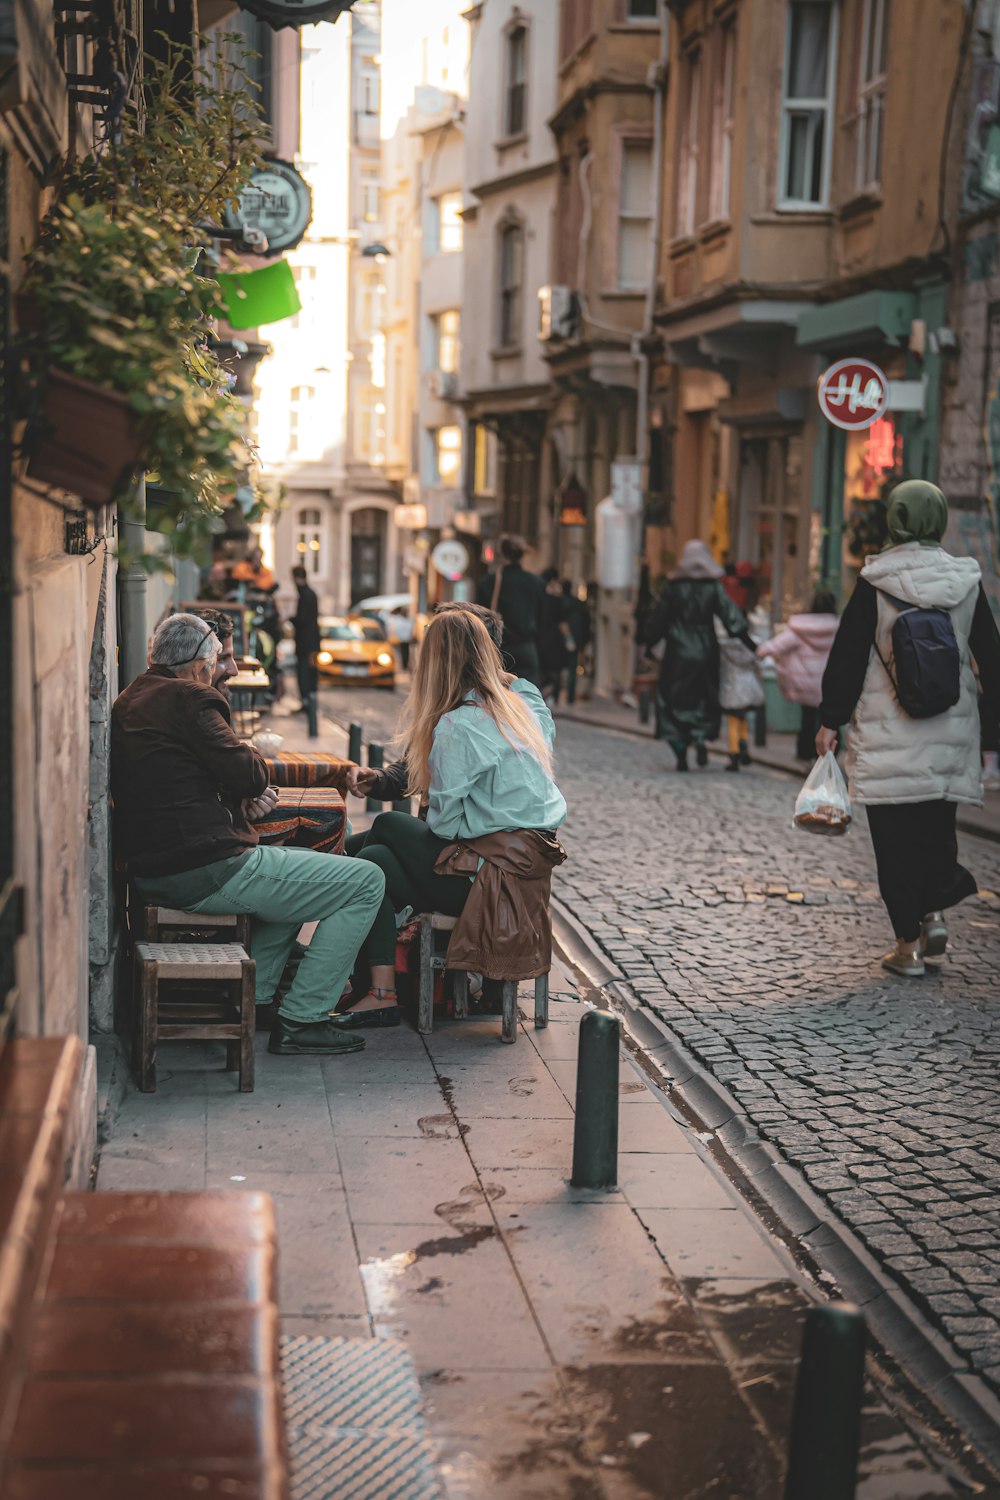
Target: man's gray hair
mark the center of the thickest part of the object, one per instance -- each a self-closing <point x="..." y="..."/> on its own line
<point x="181" y="639"/>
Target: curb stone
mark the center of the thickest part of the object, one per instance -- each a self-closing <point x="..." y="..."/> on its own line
<point x="910" y="1340"/>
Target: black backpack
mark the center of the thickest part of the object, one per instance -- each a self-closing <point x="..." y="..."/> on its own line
<point x="926" y="658"/>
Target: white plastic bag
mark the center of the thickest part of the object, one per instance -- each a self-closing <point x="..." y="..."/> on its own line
<point x="823" y="805"/>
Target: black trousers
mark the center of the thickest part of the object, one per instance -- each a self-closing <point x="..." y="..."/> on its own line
<point x="916" y="853"/>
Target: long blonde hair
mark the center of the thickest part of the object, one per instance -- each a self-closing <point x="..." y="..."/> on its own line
<point x="458" y="661"/>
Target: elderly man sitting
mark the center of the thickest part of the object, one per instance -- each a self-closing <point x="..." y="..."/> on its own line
<point x="186" y="790"/>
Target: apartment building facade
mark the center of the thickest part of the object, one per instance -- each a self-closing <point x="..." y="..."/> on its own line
<point x="802" y="162"/>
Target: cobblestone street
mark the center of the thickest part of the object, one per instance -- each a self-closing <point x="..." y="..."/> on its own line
<point x="758" y="946"/>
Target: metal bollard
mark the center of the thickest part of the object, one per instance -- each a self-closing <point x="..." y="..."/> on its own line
<point x="826" y="1417"/>
<point x="595" y="1132"/>
<point x="354" y="744"/>
<point x="376" y="758"/>
<point x="312" y="715"/>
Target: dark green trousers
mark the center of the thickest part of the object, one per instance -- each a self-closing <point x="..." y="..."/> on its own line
<point x="406" y="850"/>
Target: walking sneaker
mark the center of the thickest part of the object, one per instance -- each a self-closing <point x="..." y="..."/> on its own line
<point x="701" y="753"/>
<point x="933" y="935"/>
<point x="682" y="760"/>
<point x="906" y="959"/>
<point x="744" y="753"/>
<point x="734" y="763"/>
<point x="311" y="1039"/>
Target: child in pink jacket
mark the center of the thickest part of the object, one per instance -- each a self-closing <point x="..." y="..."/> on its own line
<point x="800" y="651"/>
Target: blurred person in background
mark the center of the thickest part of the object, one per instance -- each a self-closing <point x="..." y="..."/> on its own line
<point x="518" y="598"/>
<point x="305" y="623"/>
<point x="800" y="652"/>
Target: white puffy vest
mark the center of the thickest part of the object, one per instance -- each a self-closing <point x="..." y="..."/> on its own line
<point x="891" y="757"/>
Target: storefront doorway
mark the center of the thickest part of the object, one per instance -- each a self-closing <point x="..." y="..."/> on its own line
<point x="770" y="519"/>
<point x="367" y="553"/>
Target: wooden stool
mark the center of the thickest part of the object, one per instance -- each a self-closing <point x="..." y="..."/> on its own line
<point x="161" y="924"/>
<point x="434" y="921"/>
<point x="184" y="1020"/>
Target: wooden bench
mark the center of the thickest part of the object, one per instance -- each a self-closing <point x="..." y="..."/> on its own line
<point x="164" y="1018"/>
<point x="431" y="960"/>
<point x="138" y="1331"/>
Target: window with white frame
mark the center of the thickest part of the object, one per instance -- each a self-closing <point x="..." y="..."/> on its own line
<point x="368" y="90"/>
<point x="511" y="277"/>
<point x="370" y="194"/>
<point x="807" y="103"/>
<point x="723" y="124"/>
<point x="515" y="92"/>
<point x="449" y="223"/>
<point x="635" y="195"/>
<point x="687" y="147"/>
<point x="447" y="326"/>
<point x="871" y="93"/>
<point x="448" y="455"/>
<point x="309" y="539"/>
<point x="297" y="410"/>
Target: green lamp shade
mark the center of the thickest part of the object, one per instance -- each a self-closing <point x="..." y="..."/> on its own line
<point x="250" y="298"/>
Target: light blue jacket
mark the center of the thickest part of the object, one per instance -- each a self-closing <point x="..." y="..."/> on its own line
<point x="480" y="783"/>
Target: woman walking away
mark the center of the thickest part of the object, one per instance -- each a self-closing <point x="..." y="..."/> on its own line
<point x="478" y="744"/>
<point x="913" y="742"/>
<point x="801" y="651"/>
<point x="684" y="616"/>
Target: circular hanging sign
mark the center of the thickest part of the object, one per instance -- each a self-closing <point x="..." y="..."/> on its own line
<point x="450" y="558"/>
<point x="853" y="394"/>
<point x="279" y="13"/>
<point x="277" y="202"/>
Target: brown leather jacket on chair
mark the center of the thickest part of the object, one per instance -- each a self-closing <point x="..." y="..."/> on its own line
<point x="505" y="929"/>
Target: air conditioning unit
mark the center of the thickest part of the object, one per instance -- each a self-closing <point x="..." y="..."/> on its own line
<point x="558" y="313"/>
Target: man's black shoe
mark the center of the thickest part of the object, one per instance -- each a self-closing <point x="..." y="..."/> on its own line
<point x="311" y="1039"/>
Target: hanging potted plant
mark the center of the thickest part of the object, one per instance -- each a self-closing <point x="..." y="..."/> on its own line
<point x="120" y="374"/>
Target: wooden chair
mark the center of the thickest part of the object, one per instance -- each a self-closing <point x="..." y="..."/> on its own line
<point x="431" y="960"/>
<point x="158" y="1018"/>
<point x="163" y="924"/>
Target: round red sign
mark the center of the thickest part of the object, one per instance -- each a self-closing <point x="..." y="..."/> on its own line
<point x="853" y="393"/>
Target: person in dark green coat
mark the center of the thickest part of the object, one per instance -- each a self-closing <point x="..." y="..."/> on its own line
<point x="687" y="706"/>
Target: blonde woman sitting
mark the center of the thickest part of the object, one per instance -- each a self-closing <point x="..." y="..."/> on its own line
<point x="478" y="745"/>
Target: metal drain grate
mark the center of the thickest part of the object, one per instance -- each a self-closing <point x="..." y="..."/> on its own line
<point x="355" y="1423"/>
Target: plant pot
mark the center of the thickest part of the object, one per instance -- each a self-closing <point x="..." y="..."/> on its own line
<point x="89" y="441"/>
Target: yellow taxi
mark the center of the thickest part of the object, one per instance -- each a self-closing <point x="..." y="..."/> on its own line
<point x="352" y="650"/>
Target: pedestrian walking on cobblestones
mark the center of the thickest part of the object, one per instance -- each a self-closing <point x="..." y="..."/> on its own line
<point x="741" y="691"/>
<point x="688" y="710"/>
<point x="911" y="772"/>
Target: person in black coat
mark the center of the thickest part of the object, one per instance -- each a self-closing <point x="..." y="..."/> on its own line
<point x="305" y="623"/>
<point x="684" y="617"/>
<point x="519" y="599"/>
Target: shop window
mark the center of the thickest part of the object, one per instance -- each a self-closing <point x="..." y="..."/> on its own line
<point x="807" y="103"/>
<point x="723" y="123"/>
<point x="687" y="154"/>
<point x="309" y="539"/>
<point x="511" y="267"/>
<point x="634" y="228"/>
<point x="515" y="93"/>
<point x="484" y="477"/>
<point x="871" y="94"/>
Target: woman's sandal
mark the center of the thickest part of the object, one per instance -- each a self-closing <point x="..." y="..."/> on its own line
<point x="374" y="1017"/>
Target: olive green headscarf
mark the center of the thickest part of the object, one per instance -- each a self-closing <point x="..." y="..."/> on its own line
<point x="918" y="512"/>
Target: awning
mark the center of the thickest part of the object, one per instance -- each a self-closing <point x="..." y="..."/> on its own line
<point x="868" y="318"/>
<point x="279" y="13"/>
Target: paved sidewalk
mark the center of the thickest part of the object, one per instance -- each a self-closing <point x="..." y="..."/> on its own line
<point x="593" y="1346"/>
